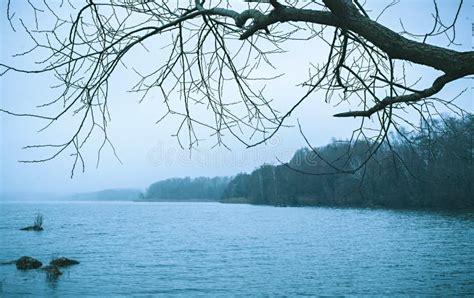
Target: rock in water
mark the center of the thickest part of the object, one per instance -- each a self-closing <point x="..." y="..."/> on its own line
<point x="26" y="263"/>
<point x="52" y="271"/>
<point x="63" y="262"/>
<point x="32" y="228"/>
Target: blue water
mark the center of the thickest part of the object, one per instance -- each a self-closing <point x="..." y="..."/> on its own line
<point x="185" y="249"/>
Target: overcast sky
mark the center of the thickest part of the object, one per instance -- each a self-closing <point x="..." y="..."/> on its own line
<point x="147" y="150"/>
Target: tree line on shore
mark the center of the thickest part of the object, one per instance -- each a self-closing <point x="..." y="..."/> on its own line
<point x="430" y="169"/>
<point x="187" y="189"/>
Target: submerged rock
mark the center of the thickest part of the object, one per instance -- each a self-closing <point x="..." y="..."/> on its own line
<point x="52" y="271"/>
<point x="32" y="228"/>
<point x="63" y="262"/>
<point x="26" y="263"/>
<point x="37" y="224"/>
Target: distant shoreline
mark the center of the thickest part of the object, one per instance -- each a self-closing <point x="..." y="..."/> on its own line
<point x="243" y="201"/>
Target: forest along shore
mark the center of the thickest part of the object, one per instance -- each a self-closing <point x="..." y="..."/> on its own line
<point x="431" y="169"/>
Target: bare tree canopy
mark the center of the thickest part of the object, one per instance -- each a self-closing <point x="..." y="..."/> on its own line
<point x="214" y="49"/>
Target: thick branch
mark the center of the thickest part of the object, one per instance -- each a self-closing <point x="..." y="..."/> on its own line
<point x="438" y="84"/>
<point x="398" y="47"/>
<point x="344" y="14"/>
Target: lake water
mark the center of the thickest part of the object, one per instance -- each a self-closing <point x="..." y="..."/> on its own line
<point x="189" y="249"/>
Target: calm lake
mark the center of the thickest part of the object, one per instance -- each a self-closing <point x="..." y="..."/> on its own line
<point x="185" y="249"/>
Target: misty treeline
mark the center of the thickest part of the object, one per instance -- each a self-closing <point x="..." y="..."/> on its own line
<point x="187" y="189"/>
<point x="430" y="169"/>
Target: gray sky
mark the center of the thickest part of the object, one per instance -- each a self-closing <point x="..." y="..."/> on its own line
<point x="147" y="150"/>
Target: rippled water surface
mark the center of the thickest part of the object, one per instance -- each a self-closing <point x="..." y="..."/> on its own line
<point x="217" y="249"/>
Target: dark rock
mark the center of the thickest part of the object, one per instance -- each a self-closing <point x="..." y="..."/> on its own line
<point x="26" y="263"/>
<point x="63" y="262"/>
<point x="52" y="271"/>
<point x="32" y="228"/>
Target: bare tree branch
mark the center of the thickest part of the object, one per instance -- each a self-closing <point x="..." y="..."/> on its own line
<point x="214" y="54"/>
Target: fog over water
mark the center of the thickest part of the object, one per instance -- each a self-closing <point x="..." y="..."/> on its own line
<point x="137" y="221"/>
